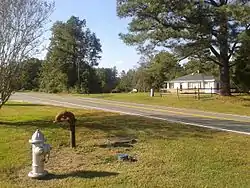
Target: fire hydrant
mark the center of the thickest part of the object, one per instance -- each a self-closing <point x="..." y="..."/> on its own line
<point x="40" y="155"/>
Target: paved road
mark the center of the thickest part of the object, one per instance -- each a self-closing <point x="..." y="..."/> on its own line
<point x="225" y="122"/>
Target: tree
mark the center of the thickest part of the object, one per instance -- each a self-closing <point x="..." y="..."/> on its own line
<point x="108" y="79"/>
<point x="94" y="82"/>
<point x="30" y="74"/>
<point x="127" y="81"/>
<point x="153" y="71"/>
<point x="208" y="28"/>
<point x="163" y="67"/>
<point x="22" y="25"/>
<point x="90" y="82"/>
<point x="196" y="65"/>
<point x="242" y="69"/>
<point x="142" y="79"/>
<point x="51" y="78"/>
<point x="74" y="50"/>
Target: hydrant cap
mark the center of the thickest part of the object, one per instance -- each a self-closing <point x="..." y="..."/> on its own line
<point x="37" y="137"/>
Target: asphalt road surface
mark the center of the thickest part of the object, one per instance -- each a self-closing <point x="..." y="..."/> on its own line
<point x="219" y="121"/>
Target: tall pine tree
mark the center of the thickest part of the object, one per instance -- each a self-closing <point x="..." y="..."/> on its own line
<point x="74" y="50"/>
<point x="193" y="27"/>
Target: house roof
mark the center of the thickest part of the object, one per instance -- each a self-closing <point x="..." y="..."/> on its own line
<point x="194" y="77"/>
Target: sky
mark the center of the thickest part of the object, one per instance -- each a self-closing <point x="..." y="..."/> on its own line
<point x="102" y="19"/>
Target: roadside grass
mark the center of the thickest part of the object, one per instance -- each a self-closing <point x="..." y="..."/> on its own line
<point x="239" y="104"/>
<point x="169" y="155"/>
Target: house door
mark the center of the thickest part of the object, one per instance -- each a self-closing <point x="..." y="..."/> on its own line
<point x="181" y="86"/>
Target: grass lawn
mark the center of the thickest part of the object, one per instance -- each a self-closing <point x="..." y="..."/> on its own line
<point x="169" y="155"/>
<point x="235" y="104"/>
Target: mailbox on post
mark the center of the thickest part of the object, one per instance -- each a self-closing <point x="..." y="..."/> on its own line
<point x="69" y="117"/>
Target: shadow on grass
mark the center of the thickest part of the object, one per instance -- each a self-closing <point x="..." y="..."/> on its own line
<point x="31" y="124"/>
<point x="23" y="104"/>
<point x="80" y="174"/>
<point x="123" y="145"/>
<point x="123" y="126"/>
<point x="246" y="99"/>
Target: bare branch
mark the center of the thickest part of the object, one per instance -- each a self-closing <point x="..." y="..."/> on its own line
<point x="212" y="2"/>
<point x="22" y="25"/>
<point x="215" y="33"/>
<point x="217" y="55"/>
<point x="232" y="50"/>
<point x="248" y="27"/>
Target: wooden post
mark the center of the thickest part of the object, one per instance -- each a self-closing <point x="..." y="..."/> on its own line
<point x="178" y="93"/>
<point x="195" y="92"/>
<point x="198" y="93"/>
<point x="73" y="135"/>
<point x="211" y="91"/>
<point x="69" y="117"/>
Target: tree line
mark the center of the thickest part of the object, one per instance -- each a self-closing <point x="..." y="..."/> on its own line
<point x="72" y="59"/>
<point x="212" y="34"/>
<point x="55" y="76"/>
<point x="153" y="71"/>
<point x="70" y="64"/>
<point x="74" y="52"/>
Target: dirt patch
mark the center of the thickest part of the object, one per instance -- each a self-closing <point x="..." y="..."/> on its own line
<point x="62" y="161"/>
<point x="65" y="160"/>
<point x="65" y="163"/>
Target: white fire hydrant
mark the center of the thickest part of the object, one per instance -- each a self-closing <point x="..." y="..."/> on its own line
<point x="40" y="155"/>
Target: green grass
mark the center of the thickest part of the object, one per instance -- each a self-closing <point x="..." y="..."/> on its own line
<point x="169" y="155"/>
<point x="235" y="104"/>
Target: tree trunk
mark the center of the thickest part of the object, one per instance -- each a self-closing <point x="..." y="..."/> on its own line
<point x="224" y="69"/>
<point x="225" y="80"/>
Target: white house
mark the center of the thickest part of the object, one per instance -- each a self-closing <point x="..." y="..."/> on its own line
<point x="207" y="83"/>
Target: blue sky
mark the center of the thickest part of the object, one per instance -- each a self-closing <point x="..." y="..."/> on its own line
<point x="101" y="18"/>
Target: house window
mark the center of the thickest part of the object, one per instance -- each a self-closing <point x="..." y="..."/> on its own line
<point x="192" y="85"/>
